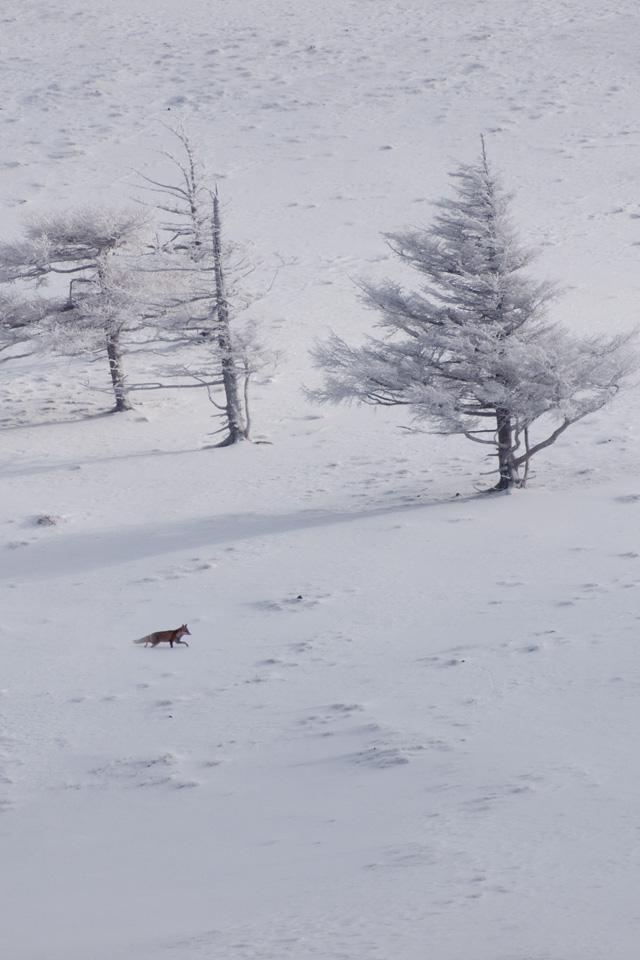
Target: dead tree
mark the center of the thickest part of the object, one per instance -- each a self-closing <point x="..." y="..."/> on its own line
<point x="200" y="309"/>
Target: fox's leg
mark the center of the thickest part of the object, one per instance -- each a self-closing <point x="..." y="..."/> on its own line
<point x="183" y="642"/>
<point x="154" y="643"/>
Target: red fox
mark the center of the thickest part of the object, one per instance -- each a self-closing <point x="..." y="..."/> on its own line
<point x="166" y="636"/>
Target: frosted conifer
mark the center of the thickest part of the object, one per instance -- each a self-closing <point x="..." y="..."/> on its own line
<point x="472" y="352"/>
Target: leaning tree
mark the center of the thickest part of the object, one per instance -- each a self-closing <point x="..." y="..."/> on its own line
<point x="473" y="352"/>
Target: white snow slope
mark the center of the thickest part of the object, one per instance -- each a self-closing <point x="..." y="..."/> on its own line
<point x="405" y="727"/>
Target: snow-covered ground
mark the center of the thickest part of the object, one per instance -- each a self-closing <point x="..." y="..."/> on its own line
<point x="404" y="728"/>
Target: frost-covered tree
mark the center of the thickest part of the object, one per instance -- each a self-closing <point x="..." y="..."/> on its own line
<point x="200" y="308"/>
<point x="19" y="325"/>
<point x="472" y="352"/>
<point x="87" y="247"/>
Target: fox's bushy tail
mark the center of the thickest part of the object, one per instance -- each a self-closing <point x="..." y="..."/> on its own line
<point x="142" y="640"/>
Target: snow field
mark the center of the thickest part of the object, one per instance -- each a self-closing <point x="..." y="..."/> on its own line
<point x="404" y="727"/>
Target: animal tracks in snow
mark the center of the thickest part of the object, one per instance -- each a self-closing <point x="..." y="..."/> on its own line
<point x="163" y="770"/>
<point x="293" y="603"/>
<point x="380" y="747"/>
<point x="331" y="714"/>
<point x="285" y="937"/>
<point x="139" y="773"/>
<point x="384" y="755"/>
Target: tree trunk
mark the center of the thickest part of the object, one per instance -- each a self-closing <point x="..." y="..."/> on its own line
<point x="506" y="469"/>
<point x="235" y="417"/>
<point x="112" y="338"/>
<point x="114" y="356"/>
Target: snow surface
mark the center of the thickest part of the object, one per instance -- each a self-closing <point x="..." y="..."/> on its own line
<point x="405" y="725"/>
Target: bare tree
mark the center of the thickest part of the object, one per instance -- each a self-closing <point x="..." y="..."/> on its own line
<point x="201" y="307"/>
<point x="473" y="352"/>
<point x="87" y="247"/>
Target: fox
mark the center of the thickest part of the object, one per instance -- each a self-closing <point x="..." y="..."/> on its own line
<point x="166" y="636"/>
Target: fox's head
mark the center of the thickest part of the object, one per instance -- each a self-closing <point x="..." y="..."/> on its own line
<point x="185" y="629"/>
